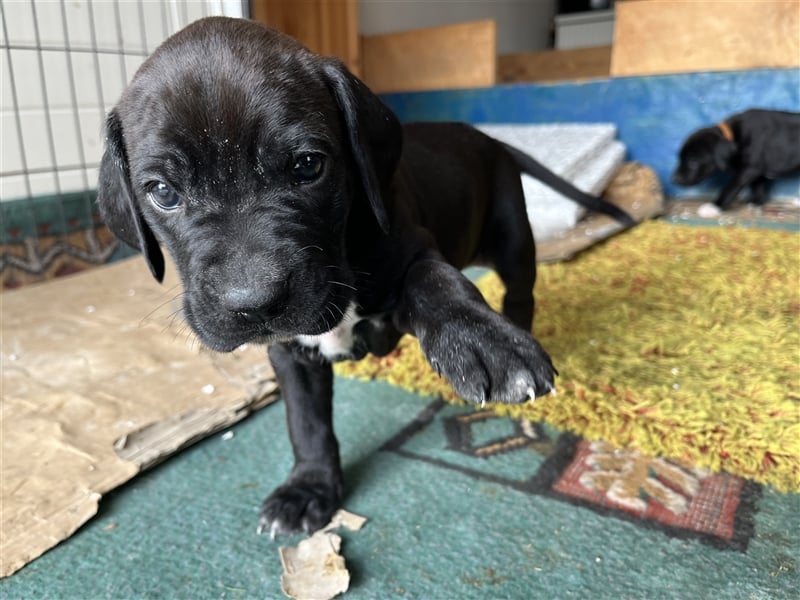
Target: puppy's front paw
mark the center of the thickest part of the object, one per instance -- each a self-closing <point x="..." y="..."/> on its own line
<point x="299" y="506"/>
<point x="487" y="359"/>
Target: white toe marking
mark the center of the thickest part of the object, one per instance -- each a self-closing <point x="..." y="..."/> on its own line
<point x="707" y="210"/>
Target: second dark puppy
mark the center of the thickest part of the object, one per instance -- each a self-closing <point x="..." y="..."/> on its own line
<point x="756" y="145"/>
<point x="300" y="214"/>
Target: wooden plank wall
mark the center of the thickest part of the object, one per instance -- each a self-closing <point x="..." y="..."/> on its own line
<point x="676" y="36"/>
<point x="453" y="56"/>
<point x="651" y="37"/>
<point x="555" y="65"/>
<point x="328" y="27"/>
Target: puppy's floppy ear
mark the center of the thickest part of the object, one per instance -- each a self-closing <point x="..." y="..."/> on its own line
<point x="117" y="203"/>
<point x="724" y="151"/>
<point x="375" y="134"/>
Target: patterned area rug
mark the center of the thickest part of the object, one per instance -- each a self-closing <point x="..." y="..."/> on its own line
<point x="52" y="236"/>
<point x="678" y="353"/>
<point x="679" y="499"/>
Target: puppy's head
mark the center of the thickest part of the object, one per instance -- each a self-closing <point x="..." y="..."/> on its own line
<point x="704" y="153"/>
<point x="247" y="156"/>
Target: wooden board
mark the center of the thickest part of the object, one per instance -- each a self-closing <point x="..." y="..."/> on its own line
<point x="328" y="27"/>
<point x="635" y="189"/>
<point x="453" y="56"/>
<point x="555" y="65"/>
<point x="674" y="36"/>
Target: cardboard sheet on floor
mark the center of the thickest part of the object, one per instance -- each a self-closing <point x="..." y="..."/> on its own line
<point x="100" y="379"/>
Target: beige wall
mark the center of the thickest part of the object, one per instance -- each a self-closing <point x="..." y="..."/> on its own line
<point x="522" y="25"/>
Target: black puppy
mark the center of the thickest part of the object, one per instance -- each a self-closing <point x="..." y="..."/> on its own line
<point x="300" y="214"/>
<point x="757" y="145"/>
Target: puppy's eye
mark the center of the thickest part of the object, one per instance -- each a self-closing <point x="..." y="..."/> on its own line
<point x="308" y="167"/>
<point x="164" y="196"/>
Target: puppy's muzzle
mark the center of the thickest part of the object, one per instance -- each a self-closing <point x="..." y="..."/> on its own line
<point x="256" y="305"/>
<point x="678" y="179"/>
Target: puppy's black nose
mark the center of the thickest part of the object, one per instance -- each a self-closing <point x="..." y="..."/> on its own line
<point x="256" y="304"/>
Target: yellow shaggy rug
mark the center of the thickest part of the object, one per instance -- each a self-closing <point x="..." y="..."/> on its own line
<point x="682" y="342"/>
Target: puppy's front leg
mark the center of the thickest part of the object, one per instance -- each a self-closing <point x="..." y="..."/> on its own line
<point x="483" y="355"/>
<point x="736" y="184"/>
<point x="313" y="492"/>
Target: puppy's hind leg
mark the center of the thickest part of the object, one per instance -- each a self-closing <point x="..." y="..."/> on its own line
<point x="516" y="266"/>
<point x="760" y="191"/>
<point x="508" y="243"/>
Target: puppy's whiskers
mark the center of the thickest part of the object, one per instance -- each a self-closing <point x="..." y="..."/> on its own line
<point x="347" y="285"/>
<point x="328" y="308"/>
<point x="355" y="272"/>
<point x="337" y="307"/>
<point x="146" y="318"/>
<point x="172" y="319"/>
<point x="182" y="330"/>
<point x="328" y="326"/>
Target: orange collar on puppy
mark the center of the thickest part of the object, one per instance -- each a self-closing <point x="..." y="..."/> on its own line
<point x="726" y="130"/>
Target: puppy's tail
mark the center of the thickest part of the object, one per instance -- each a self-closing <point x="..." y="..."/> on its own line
<point x="535" y="169"/>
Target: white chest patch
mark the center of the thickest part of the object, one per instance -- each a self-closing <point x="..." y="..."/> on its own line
<point x="337" y="342"/>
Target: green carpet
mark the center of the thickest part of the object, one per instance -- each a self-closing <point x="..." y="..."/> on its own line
<point x="444" y="523"/>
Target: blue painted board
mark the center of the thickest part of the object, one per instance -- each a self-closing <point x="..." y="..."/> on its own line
<point x="653" y="114"/>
